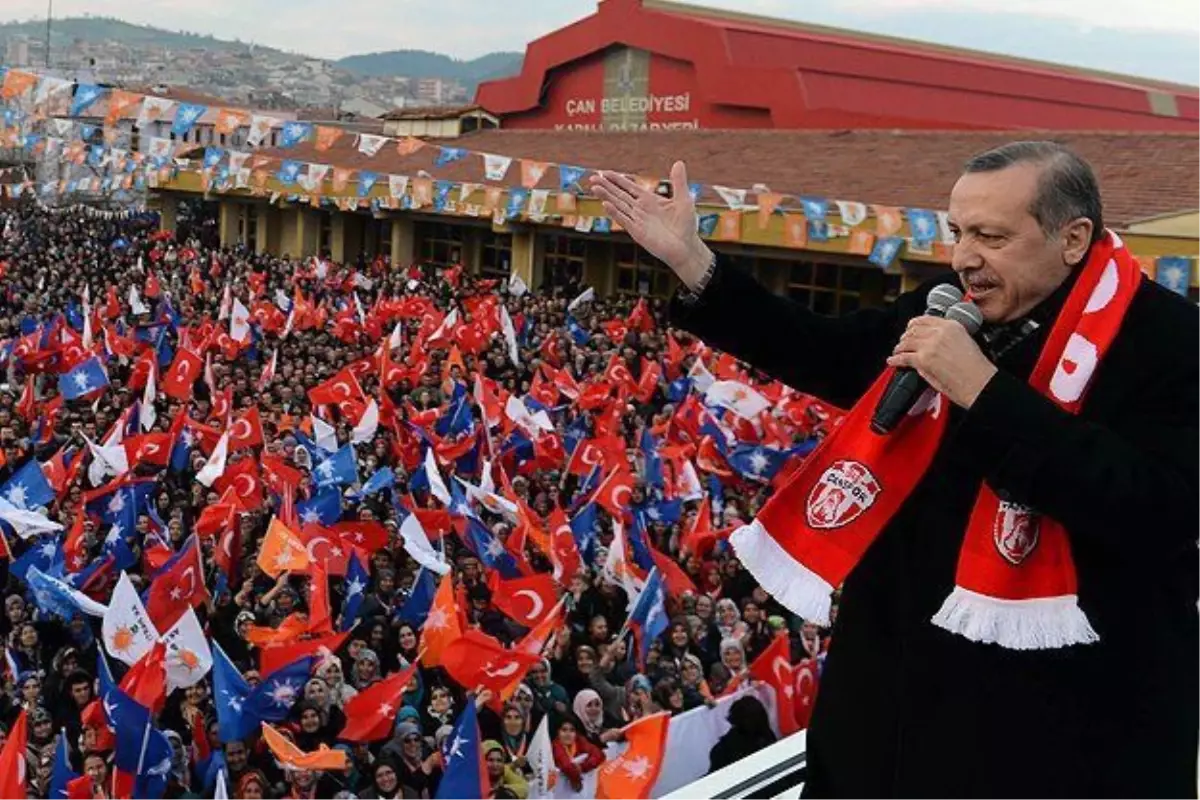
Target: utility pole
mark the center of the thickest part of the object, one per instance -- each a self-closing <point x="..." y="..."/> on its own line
<point x="49" y="16"/>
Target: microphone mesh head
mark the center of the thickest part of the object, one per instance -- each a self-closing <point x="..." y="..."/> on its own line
<point x="967" y="315"/>
<point x="942" y="297"/>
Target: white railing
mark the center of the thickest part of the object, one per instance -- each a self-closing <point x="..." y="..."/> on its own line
<point x="776" y="772"/>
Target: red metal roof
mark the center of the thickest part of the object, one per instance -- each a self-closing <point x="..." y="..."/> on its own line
<point x="745" y="71"/>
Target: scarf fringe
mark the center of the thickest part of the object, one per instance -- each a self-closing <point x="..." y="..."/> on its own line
<point x="1040" y="623"/>
<point x="798" y="588"/>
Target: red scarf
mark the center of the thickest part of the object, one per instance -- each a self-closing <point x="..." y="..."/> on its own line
<point x="1016" y="583"/>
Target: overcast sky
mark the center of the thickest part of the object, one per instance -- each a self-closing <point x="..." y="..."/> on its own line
<point x="1163" y="35"/>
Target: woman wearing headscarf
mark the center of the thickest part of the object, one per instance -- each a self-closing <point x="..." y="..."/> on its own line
<point x="594" y="724"/>
<point x="503" y="780"/>
<point x="574" y="754"/>
<point x="733" y="658"/>
<point x="252" y="785"/>
<point x="514" y="737"/>
<point x="418" y="773"/>
<point x="316" y="691"/>
<point x="439" y="711"/>
<point x="313" y="726"/>
<point x="366" y="669"/>
<point x="548" y="696"/>
<point x="330" y="671"/>
<point x="385" y="782"/>
<point x="179" y="781"/>
<point x="749" y="732"/>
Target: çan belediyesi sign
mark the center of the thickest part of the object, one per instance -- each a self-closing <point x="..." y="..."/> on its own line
<point x="644" y="105"/>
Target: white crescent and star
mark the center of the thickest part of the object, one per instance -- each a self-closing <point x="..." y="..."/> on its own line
<point x="537" y="604"/>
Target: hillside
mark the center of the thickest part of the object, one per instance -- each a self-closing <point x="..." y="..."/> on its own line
<point x="98" y="29"/>
<point x="420" y="63"/>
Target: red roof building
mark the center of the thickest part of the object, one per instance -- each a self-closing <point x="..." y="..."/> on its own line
<point x="652" y="64"/>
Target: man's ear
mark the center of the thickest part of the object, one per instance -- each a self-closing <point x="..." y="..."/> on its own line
<point x="1076" y="239"/>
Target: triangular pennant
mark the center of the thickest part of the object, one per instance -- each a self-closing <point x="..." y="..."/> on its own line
<point x="495" y="167"/>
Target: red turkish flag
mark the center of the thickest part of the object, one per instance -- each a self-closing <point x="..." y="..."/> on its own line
<point x="152" y="288"/>
<point x="586" y="457"/>
<point x="774" y="667"/>
<point x="277" y="473"/>
<point x="184" y="371"/>
<point x="371" y="714"/>
<point x="222" y="404"/>
<point x="343" y="391"/>
<point x="648" y="383"/>
<point x="477" y="661"/>
<point x="27" y="405"/>
<point x="366" y="535"/>
<point x="614" y="493"/>
<point x="242" y="477"/>
<point x="564" y="552"/>
<point x="177" y="588"/>
<point x="527" y="600"/>
<point x="326" y="547"/>
<point x="246" y="431"/>
<point x="548" y="451"/>
<point x="12" y="759"/>
<point x="148" y="448"/>
<point x="807" y="682"/>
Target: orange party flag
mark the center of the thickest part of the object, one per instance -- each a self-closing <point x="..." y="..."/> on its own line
<point x="282" y="551"/>
<point x="323" y="758"/>
<point x="441" y="626"/>
<point x="633" y="773"/>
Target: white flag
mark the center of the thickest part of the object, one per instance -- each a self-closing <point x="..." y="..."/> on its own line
<point x="364" y="431"/>
<point x="369" y="144"/>
<point x="510" y="335"/>
<point x="516" y="286"/>
<point x="26" y="522"/>
<point x="239" y="322"/>
<point x="188" y="656"/>
<point x="146" y="413"/>
<point x="495" y="167"/>
<point x="215" y="466"/>
<point x="436" y="484"/>
<point x="107" y="459"/>
<point x="417" y="545"/>
<point x="540" y="758"/>
<point x="127" y="630"/>
<point x="227" y="303"/>
<point x="324" y="434"/>
<point x="397" y="337"/>
<point x="734" y="198"/>
<point x="852" y="213"/>
<point x="135" y="302"/>
<point x="584" y="297"/>
<point x="737" y="397"/>
<point x="221" y="792"/>
<point x="700" y="376"/>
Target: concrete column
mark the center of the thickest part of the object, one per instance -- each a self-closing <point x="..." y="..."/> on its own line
<point x="227" y="222"/>
<point x="472" y="251"/>
<point x="262" y="229"/>
<point x="599" y="266"/>
<point x="168" y="213"/>
<point x="524" y="259"/>
<point x="337" y="237"/>
<point x="404" y="241"/>
<point x="308" y="232"/>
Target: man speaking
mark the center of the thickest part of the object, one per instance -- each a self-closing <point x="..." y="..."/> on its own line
<point x="1011" y="515"/>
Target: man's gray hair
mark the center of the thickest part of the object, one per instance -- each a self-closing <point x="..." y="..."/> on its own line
<point x="1067" y="188"/>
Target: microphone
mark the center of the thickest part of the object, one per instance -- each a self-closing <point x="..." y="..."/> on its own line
<point x="907" y="385"/>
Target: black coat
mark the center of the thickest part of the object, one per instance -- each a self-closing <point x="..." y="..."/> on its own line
<point x="906" y="708"/>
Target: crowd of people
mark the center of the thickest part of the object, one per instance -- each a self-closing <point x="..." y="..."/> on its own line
<point x="438" y="357"/>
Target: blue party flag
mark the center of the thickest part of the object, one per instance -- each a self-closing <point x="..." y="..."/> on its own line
<point x="84" y="378"/>
<point x="28" y="487"/>
<point x="355" y="587"/>
<point x="465" y="772"/>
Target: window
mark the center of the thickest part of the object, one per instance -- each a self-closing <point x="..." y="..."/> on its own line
<point x="251" y="237"/>
<point x="839" y="288"/>
<point x="496" y="257"/>
<point x="638" y="272"/>
<point x="383" y="237"/>
<point x="325" y="234"/>
<point x="439" y="244"/>
<point x="562" y="259"/>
